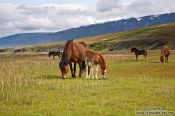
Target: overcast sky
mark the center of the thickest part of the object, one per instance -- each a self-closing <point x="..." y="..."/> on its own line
<point x="26" y="16"/>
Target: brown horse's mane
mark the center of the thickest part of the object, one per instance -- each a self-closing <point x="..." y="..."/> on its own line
<point x="67" y="45"/>
<point x="65" y="58"/>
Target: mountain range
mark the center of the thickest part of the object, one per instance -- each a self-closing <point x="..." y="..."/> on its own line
<point x="123" y="25"/>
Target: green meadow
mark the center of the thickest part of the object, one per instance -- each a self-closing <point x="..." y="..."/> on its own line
<point x="31" y="85"/>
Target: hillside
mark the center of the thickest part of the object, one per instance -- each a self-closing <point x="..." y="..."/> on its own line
<point x="150" y="38"/>
<point x="123" y="25"/>
<point x="147" y="38"/>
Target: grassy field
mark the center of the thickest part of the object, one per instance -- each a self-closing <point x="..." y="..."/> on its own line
<point x="32" y="85"/>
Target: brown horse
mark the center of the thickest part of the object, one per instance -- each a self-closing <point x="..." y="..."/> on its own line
<point x="94" y="59"/>
<point x="165" y="52"/>
<point x="73" y="52"/>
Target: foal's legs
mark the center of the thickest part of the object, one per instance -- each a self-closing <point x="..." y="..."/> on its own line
<point x="92" y="71"/>
<point x="96" y="72"/>
<point x="88" y="71"/>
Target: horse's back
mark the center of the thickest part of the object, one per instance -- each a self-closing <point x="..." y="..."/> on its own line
<point x="92" y="56"/>
<point x="78" y="50"/>
<point x="80" y="46"/>
<point x="84" y="44"/>
<point x="144" y="52"/>
<point x="55" y="52"/>
<point x="95" y="58"/>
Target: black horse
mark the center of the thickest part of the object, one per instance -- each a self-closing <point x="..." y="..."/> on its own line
<point x="55" y="53"/>
<point x="139" y="52"/>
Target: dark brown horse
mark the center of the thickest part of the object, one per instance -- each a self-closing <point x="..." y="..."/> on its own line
<point x="139" y="52"/>
<point x="74" y="52"/>
<point x="165" y="52"/>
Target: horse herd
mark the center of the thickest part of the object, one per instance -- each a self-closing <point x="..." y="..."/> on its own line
<point x="165" y="52"/>
<point x="78" y="52"/>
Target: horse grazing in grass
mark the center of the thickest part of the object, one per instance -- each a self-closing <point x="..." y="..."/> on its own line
<point x="94" y="59"/>
<point x="165" y="52"/>
<point x="74" y="52"/>
<point x="55" y="53"/>
<point x="139" y="52"/>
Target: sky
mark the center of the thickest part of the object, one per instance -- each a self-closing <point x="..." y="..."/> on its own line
<point x="28" y="16"/>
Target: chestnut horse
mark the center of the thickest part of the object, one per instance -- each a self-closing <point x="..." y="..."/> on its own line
<point x="165" y="52"/>
<point x="139" y="52"/>
<point x="73" y="52"/>
<point x="94" y="59"/>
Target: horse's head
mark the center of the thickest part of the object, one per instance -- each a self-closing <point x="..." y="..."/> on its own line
<point x="65" y="59"/>
<point x="161" y="59"/>
<point x="63" y="68"/>
<point x="103" y="66"/>
<point x="103" y="72"/>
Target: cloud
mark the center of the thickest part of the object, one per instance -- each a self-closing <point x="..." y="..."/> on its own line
<point x="116" y="9"/>
<point x="107" y="5"/>
<point x="19" y="18"/>
<point x="48" y="18"/>
<point x="34" y="24"/>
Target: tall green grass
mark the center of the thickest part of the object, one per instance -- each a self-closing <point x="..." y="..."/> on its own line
<point x="31" y="85"/>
